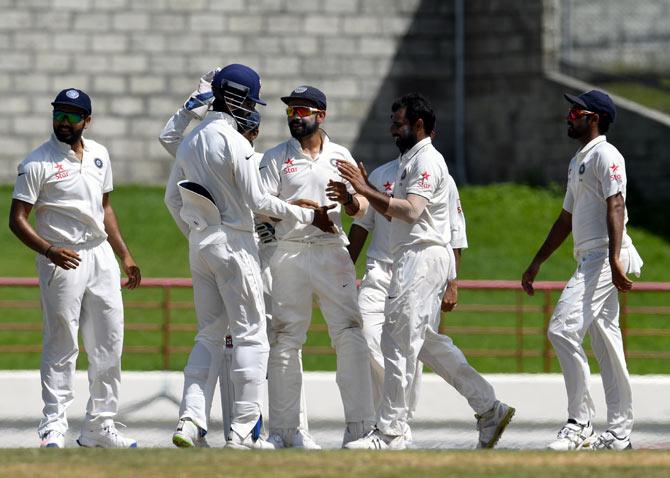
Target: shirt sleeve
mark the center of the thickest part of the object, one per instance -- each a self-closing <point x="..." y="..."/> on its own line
<point x="459" y="239"/>
<point x="611" y="171"/>
<point x="173" y="131"/>
<point x="269" y="173"/>
<point x="108" y="182"/>
<point x="28" y="182"/>
<point x="258" y="198"/>
<point x="173" y="198"/>
<point x="422" y="177"/>
<point x="367" y="222"/>
<point x="569" y="200"/>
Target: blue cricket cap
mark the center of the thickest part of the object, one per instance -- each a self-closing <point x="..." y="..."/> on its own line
<point x="73" y="97"/>
<point x="595" y="101"/>
<point x="309" y="93"/>
<point x="242" y="75"/>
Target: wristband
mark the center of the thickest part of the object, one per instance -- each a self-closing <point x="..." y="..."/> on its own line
<point x="46" y="253"/>
<point x="350" y="199"/>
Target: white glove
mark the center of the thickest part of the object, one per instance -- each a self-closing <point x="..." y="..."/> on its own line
<point x="202" y="98"/>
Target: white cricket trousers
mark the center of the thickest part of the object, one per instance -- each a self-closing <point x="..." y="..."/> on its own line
<point x="227" y="289"/>
<point x="86" y="298"/>
<point x="410" y="333"/>
<point x="298" y="271"/>
<point x="590" y="303"/>
<point x="371" y="300"/>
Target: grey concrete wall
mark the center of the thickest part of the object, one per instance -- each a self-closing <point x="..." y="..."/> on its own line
<point x="139" y="60"/>
<point x="617" y="35"/>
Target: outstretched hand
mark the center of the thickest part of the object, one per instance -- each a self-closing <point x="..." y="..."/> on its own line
<point x="357" y="176"/>
<point x="321" y="219"/>
<point x="306" y="203"/>
<point x="337" y="191"/>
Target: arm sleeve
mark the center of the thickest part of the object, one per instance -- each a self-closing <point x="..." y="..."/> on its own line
<point x="269" y="174"/>
<point x="408" y="210"/>
<point x="173" y="198"/>
<point x="173" y="131"/>
<point x="28" y="182"/>
<point x="260" y="200"/>
<point x="367" y="221"/>
<point x="459" y="238"/>
<point x="108" y="183"/>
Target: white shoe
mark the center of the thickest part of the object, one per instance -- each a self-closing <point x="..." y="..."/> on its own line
<point x="276" y="440"/>
<point x="52" y="439"/>
<point x="573" y="436"/>
<point x="236" y="442"/>
<point x="355" y="430"/>
<point x="189" y="435"/>
<point x="303" y="440"/>
<point x="104" y="436"/>
<point x="376" y="440"/>
<point x="492" y="424"/>
<point x="609" y="441"/>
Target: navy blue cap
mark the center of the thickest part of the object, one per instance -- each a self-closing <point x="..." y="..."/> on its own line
<point x="242" y="75"/>
<point x="73" y="97"/>
<point x="595" y="101"/>
<point x="310" y="93"/>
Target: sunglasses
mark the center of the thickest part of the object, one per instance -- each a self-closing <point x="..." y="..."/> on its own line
<point x="301" y="111"/>
<point x="575" y="113"/>
<point x="72" y="118"/>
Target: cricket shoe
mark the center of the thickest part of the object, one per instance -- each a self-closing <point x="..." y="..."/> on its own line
<point x="189" y="435"/>
<point x="376" y="440"/>
<point x="52" y="439"/>
<point x="104" y="436"/>
<point x="609" y="441"/>
<point x="297" y="439"/>
<point x="573" y="436"/>
<point x="492" y="424"/>
<point x="355" y="430"/>
<point x="237" y="442"/>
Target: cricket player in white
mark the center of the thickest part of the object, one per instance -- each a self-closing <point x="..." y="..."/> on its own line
<point x="594" y="210"/>
<point x="224" y="255"/>
<point x="423" y="263"/>
<point x="196" y="107"/>
<point x="375" y="284"/>
<point x="308" y="262"/>
<point x="67" y="180"/>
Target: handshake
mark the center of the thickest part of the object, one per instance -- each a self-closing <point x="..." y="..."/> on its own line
<point x="321" y="219"/>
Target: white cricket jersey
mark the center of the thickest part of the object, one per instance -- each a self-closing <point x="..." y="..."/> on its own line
<point x="289" y="173"/>
<point x="219" y="158"/>
<point x="423" y="172"/>
<point x="596" y="172"/>
<point x="66" y="193"/>
<point x="459" y="239"/>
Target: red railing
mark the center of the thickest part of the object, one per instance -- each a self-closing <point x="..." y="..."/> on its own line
<point x="521" y="308"/>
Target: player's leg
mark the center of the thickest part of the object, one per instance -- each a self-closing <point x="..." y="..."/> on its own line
<point x="607" y="345"/>
<point x="371" y="299"/>
<point x="240" y="286"/>
<point x="102" y="334"/>
<point x="334" y="279"/>
<point x="60" y="292"/>
<point x="202" y="368"/>
<point x="291" y="316"/>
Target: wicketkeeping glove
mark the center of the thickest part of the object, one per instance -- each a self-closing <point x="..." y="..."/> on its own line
<point x="266" y="232"/>
<point x="202" y="98"/>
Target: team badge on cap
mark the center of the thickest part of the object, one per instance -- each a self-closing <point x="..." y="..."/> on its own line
<point x="74" y="94"/>
<point x="300" y="89"/>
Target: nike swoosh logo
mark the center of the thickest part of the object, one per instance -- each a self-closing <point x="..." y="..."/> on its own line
<point x="262" y="167"/>
<point x="247" y="157"/>
<point x="21" y="174"/>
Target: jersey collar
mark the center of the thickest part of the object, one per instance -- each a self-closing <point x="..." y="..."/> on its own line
<point x="64" y="147"/>
<point x="591" y="144"/>
<point x="294" y="145"/>
<point x="214" y="115"/>
<point x="407" y="155"/>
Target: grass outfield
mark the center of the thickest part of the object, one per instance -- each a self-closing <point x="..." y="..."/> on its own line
<point x="506" y="223"/>
<point x="289" y="463"/>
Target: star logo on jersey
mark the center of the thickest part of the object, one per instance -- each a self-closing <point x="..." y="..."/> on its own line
<point x="60" y="171"/>
<point x="289" y="168"/>
<point x="388" y="186"/>
<point x="423" y="182"/>
<point x="614" y="176"/>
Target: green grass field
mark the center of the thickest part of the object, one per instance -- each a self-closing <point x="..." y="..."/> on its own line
<point x="98" y="463"/>
<point x="506" y="224"/>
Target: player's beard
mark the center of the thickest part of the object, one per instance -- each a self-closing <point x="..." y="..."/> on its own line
<point x="406" y="142"/>
<point x="301" y="128"/>
<point x="68" y="134"/>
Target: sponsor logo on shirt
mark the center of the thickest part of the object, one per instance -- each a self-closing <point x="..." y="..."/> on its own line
<point x="288" y="167"/>
<point x="423" y="182"/>
<point x="614" y="176"/>
<point x="60" y="171"/>
<point x="388" y="188"/>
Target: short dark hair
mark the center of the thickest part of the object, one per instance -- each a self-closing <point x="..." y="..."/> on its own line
<point x="416" y="106"/>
